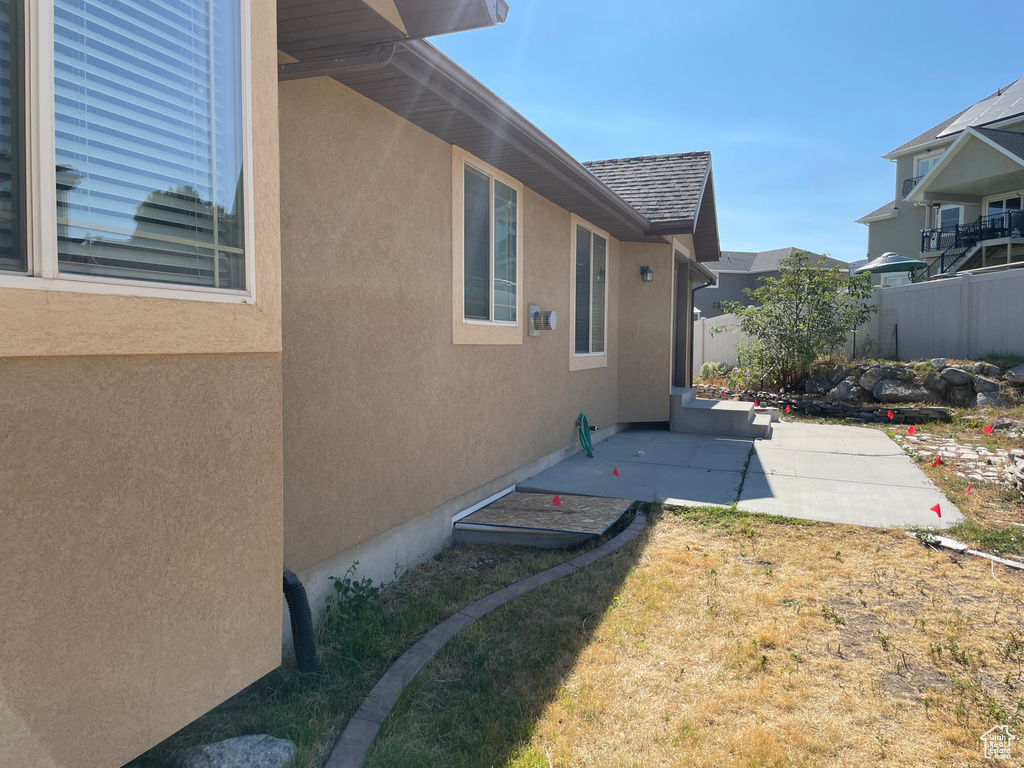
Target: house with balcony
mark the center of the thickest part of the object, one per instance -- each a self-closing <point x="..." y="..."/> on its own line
<point x="958" y="192"/>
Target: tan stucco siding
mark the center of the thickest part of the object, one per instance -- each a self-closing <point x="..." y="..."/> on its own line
<point x="140" y="562"/>
<point x="386" y="418"/>
<point x="645" y="333"/>
<point x="58" y="322"/>
<point x="141" y="495"/>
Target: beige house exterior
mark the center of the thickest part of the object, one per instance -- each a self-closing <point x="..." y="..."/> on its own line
<point x="169" y="445"/>
<point x="958" y="189"/>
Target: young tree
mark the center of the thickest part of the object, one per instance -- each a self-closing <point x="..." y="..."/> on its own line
<point x="797" y="317"/>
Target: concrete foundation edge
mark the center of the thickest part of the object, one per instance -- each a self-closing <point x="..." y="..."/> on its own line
<point x="384" y="557"/>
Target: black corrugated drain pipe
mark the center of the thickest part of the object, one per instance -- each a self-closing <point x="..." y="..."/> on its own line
<point x="302" y="623"/>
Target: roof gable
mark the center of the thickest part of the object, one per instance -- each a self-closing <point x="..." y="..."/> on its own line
<point x="762" y="261"/>
<point x="664" y="188"/>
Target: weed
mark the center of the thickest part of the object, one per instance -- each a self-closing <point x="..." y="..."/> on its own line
<point x="832" y="616"/>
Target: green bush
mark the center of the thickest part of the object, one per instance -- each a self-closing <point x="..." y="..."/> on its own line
<point x="713" y="370"/>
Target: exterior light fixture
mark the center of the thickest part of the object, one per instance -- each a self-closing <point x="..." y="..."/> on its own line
<point x="647" y="274"/>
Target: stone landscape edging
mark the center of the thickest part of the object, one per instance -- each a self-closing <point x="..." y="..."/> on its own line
<point x="350" y="750"/>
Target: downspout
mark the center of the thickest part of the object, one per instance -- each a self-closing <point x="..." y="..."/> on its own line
<point x="302" y="623"/>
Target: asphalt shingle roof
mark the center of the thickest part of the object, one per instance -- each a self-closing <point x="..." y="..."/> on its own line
<point x="661" y="187"/>
<point x="1004" y="103"/>
<point x="1011" y="141"/>
<point x="759" y="261"/>
<point x="886" y="210"/>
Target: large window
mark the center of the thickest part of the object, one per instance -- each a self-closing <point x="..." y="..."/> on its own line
<point x="12" y="249"/>
<point x="490" y="248"/>
<point x="147" y="154"/>
<point x="591" y="276"/>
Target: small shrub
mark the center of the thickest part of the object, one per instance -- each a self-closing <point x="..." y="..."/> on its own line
<point x="713" y="370"/>
<point x="351" y="598"/>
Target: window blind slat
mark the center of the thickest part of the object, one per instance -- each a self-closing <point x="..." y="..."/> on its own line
<point x="149" y="144"/>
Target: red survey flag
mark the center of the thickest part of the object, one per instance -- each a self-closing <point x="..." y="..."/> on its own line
<point x="616" y="472"/>
<point x="724" y="393"/>
<point x="988" y="429"/>
<point x="890" y="415"/>
<point x="911" y="430"/>
<point x="938" y="460"/>
<point x="787" y="409"/>
<point x="968" y="491"/>
<point x="557" y="500"/>
<point x="755" y="403"/>
<point x="936" y="510"/>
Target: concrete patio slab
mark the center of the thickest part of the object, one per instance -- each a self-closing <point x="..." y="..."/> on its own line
<point x="839" y="474"/>
<point x="679" y="467"/>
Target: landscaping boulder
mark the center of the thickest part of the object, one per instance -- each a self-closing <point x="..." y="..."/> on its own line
<point x="871" y="377"/>
<point x="836" y="374"/>
<point x="1015" y="375"/>
<point x="989" y="399"/>
<point x="958" y="377"/>
<point x="890" y="391"/>
<point x="938" y="363"/>
<point x="847" y="391"/>
<point x="1005" y="422"/>
<point x="818" y="385"/>
<point x="961" y="396"/>
<point x="259" y="751"/>
<point x="936" y="382"/>
<point x="985" y="384"/>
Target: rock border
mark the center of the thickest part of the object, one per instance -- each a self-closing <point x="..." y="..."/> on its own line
<point x="350" y="750"/>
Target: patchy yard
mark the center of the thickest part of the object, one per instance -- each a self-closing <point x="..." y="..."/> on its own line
<point x="720" y="639"/>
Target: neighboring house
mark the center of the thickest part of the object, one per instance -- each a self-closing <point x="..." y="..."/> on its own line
<point x="740" y="270"/>
<point x="251" y="324"/>
<point x="959" y="190"/>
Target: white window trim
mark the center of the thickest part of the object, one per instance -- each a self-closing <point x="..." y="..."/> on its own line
<point x="937" y="154"/>
<point x="580" y="361"/>
<point x="41" y="179"/>
<point x="937" y="224"/>
<point x="470" y="330"/>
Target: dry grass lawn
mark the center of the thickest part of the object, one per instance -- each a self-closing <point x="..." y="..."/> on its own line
<point x="737" y="641"/>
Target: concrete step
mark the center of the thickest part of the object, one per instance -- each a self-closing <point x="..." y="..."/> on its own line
<point x="683" y="395"/>
<point x="773" y="412"/>
<point x="762" y="425"/>
<point x="729" y="418"/>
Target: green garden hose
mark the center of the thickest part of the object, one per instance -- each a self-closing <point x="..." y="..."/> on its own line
<point x="583" y="427"/>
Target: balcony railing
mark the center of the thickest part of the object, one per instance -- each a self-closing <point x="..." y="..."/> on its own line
<point x="909" y="184"/>
<point x="953" y="243"/>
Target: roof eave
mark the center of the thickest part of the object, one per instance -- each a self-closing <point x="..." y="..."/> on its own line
<point x="446" y="79"/>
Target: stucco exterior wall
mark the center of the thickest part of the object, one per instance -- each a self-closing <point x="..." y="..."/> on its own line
<point x="901" y="234"/>
<point x="141" y="494"/>
<point x="645" y="333"/>
<point x="385" y="418"/>
<point x="140" y="562"/>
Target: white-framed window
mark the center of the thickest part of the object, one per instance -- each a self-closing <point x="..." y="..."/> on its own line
<point x="133" y="121"/>
<point x="924" y="163"/>
<point x="897" y="279"/>
<point x="490" y="248"/>
<point x="589" y="295"/>
<point x="487" y="262"/>
<point x="949" y="217"/>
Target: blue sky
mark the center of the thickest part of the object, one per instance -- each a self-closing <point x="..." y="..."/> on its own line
<point x="797" y="101"/>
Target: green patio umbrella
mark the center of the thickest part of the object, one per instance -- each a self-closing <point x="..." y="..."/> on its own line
<point x="890" y="262"/>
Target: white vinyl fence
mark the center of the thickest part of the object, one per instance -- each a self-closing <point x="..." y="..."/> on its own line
<point x="968" y="316"/>
<point x="715" y="348"/>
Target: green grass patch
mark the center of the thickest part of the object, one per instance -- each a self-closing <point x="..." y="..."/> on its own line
<point x="730" y="519"/>
<point x="477" y="703"/>
<point x="993" y="538"/>
<point x="359" y="638"/>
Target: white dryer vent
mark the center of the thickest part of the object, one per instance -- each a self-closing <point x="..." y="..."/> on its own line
<point x="541" y="320"/>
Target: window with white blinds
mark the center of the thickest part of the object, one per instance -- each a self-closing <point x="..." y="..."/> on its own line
<point x="12" y="254"/>
<point x="149" y="140"/>
<point x="490" y="216"/>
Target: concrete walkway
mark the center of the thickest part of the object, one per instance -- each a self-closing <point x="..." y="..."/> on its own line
<point x="681" y="468"/>
<point x="832" y="473"/>
<point x="841" y="474"/>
